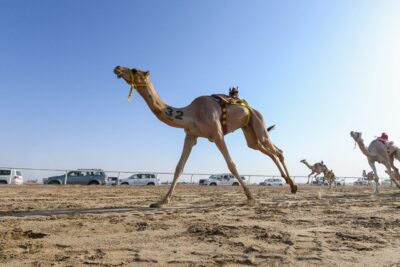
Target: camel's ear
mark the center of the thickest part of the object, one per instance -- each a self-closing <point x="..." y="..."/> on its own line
<point x="147" y="73"/>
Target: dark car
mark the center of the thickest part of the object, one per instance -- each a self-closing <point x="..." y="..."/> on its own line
<point x="80" y="176"/>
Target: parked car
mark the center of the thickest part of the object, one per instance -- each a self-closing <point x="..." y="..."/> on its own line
<point x="318" y="181"/>
<point x="338" y="182"/>
<point x="362" y="181"/>
<point x="80" y="176"/>
<point x="140" y="179"/>
<point x="11" y="176"/>
<point x="112" y="181"/>
<point x="272" y="182"/>
<point x="322" y="181"/>
<point x="221" y="179"/>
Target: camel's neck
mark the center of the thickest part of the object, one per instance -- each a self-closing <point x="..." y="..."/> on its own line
<point x="308" y="165"/>
<point x="362" y="147"/>
<point x="175" y="117"/>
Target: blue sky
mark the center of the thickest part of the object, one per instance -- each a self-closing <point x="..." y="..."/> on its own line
<point x="317" y="69"/>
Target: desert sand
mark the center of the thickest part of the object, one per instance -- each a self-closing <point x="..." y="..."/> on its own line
<point x="204" y="226"/>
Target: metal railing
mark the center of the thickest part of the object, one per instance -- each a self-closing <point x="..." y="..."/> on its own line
<point x="39" y="174"/>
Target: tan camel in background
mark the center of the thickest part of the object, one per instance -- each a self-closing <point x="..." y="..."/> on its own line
<point x="317" y="168"/>
<point x="369" y="176"/>
<point x="202" y="118"/>
<point x="378" y="152"/>
<point x="330" y="177"/>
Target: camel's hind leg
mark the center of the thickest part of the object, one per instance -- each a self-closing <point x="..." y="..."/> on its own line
<point x="253" y="142"/>
<point x="282" y="159"/>
<point x="258" y="129"/>
<point x="190" y="141"/>
<point x="392" y="175"/>
<point x="396" y="170"/>
<point x="287" y="178"/>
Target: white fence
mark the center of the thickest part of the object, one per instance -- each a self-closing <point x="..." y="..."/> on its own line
<point x="36" y="174"/>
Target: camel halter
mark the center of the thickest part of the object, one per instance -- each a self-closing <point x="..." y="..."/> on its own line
<point x="133" y="85"/>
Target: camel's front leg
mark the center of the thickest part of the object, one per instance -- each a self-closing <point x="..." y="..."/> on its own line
<point x="232" y="168"/>
<point x="372" y="164"/>
<point x="310" y="175"/>
<point x="190" y="141"/>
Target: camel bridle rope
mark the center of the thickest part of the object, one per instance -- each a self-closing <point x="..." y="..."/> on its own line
<point x="133" y="85"/>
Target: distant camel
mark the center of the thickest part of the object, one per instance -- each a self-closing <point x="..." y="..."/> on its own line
<point x="378" y="152"/>
<point x="317" y="168"/>
<point x="212" y="118"/>
<point x="330" y="177"/>
<point x="369" y="176"/>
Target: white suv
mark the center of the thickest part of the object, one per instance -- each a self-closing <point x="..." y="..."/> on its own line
<point x="362" y="181"/>
<point x="272" y="181"/>
<point x="140" y="179"/>
<point x="221" y="179"/>
<point x="11" y="176"/>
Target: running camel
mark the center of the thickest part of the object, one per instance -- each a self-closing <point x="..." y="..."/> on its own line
<point x="203" y="118"/>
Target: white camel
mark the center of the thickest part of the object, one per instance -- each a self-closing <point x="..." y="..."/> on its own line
<point x="379" y="152"/>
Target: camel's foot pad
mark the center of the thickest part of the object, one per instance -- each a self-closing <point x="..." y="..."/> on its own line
<point x="293" y="189"/>
<point x="158" y="205"/>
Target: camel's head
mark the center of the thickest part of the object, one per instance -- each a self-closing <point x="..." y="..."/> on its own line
<point x="132" y="76"/>
<point x="303" y="161"/>
<point x="135" y="78"/>
<point x="356" y="136"/>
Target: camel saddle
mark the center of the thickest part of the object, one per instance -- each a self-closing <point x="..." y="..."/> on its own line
<point x="225" y="100"/>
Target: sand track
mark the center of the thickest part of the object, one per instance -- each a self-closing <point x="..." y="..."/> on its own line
<point x="204" y="226"/>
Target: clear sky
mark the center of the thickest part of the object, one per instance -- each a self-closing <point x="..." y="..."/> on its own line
<point x="317" y="69"/>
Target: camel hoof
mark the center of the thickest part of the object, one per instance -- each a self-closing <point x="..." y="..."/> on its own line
<point x="159" y="205"/>
<point x="293" y="189"/>
<point x="250" y="202"/>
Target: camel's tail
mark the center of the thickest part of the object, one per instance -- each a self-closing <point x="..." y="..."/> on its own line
<point x="270" y="128"/>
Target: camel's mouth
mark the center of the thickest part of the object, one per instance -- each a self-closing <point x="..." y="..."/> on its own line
<point x="117" y="71"/>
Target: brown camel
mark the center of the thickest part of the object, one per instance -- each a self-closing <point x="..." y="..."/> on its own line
<point x="330" y="177"/>
<point x="379" y="152"/>
<point x="202" y="118"/>
<point x="317" y="168"/>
